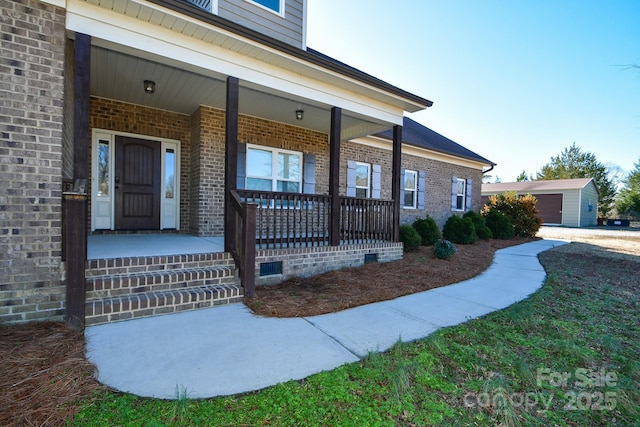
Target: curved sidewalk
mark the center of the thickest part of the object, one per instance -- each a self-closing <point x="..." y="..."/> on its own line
<point x="228" y="350"/>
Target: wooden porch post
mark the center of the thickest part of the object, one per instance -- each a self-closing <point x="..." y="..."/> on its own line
<point x="334" y="175"/>
<point x="395" y="180"/>
<point x="75" y="202"/>
<point x="230" y="160"/>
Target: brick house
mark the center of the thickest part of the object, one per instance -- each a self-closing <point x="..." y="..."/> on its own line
<point x="130" y="120"/>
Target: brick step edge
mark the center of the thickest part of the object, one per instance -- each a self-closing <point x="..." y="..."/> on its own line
<point x="121" y="284"/>
<point x="111" y="266"/>
<point x="132" y="306"/>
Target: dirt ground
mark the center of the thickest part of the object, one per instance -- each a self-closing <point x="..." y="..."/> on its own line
<point x="352" y="287"/>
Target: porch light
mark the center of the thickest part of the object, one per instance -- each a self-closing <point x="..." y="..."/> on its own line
<point x="299" y="114"/>
<point x="149" y="86"/>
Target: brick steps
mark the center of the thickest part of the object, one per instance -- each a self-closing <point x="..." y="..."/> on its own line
<point x="128" y="288"/>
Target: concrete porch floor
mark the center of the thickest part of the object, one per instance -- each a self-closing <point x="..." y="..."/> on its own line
<point x="104" y="246"/>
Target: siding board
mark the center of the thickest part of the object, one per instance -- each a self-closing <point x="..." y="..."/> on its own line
<point x="288" y="29"/>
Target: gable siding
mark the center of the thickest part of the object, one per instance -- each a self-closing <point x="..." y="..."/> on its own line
<point x="589" y="218"/>
<point x="288" y="29"/>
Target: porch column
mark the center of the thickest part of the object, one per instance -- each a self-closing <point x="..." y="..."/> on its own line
<point x="334" y="175"/>
<point x="396" y="167"/>
<point x="75" y="202"/>
<point x="230" y="159"/>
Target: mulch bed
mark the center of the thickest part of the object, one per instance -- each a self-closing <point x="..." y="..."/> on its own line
<point x="43" y="371"/>
<point x="352" y="287"/>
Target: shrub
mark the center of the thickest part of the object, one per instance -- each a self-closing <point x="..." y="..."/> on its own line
<point x="480" y="224"/>
<point x="521" y="211"/>
<point x="410" y="238"/>
<point x="460" y="230"/>
<point x="499" y="224"/>
<point x="444" y="249"/>
<point x="428" y="230"/>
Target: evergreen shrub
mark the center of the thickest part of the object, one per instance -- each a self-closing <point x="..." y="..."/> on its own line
<point x="428" y="230"/>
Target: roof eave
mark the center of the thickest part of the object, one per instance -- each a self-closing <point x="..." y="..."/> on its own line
<point x="414" y="102"/>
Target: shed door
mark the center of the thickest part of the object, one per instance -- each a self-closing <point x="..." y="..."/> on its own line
<point x="550" y="208"/>
<point x="137" y="184"/>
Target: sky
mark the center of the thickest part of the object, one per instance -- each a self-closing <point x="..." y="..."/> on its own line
<point x="516" y="81"/>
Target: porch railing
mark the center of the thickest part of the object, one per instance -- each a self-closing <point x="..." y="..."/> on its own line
<point x="289" y="220"/>
<point x="243" y="244"/>
<point x="366" y="220"/>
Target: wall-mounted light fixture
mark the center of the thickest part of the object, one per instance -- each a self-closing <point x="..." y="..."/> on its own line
<point x="149" y="86"/>
<point x="299" y="114"/>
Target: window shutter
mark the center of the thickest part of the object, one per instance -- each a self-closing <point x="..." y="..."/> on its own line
<point x="376" y="177"/>
<point x="469" y="193"/>
<point x="401" y="181"/>
<point x="454" y="192"/>
<point x="351" y="178"/>
<point x="309" y="184"/>
<point x="242" y="166"/>
<point x="422" y="183"/>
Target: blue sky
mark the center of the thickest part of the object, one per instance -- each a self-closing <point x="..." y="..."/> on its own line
<point x="514" y="81"/>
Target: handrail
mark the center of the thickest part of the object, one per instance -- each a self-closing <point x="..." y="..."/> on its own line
<point x="242" y="235"/>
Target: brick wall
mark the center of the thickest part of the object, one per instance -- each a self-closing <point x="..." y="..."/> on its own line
<point x="438" y="180"/>
<point x="207" y="163"/>
<point x="304" y="262"/>
<point x="31" y="109"/>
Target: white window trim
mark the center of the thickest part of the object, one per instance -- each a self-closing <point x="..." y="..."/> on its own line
<point x="414" y="189"/>
<point x="463" y="195"/>
<point x="368" y="186"/>
<point x="268" y="9"/>
<point x="274" y="166"/>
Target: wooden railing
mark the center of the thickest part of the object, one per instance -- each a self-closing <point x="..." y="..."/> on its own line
<point x="289" y="220"/>
<point x="366" y="220"/>
<point x="242" y="240"/>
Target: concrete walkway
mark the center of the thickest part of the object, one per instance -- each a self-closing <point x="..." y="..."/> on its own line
<point x="228" y="350"/>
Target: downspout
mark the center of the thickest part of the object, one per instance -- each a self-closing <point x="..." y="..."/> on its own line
<point x="488" y="170"/>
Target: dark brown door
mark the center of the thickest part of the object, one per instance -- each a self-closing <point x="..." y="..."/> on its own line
<point x="137" y="182"/>
<point x="550" y="208"/>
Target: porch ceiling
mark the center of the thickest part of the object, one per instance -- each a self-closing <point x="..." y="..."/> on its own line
<point x="119" y="75"/>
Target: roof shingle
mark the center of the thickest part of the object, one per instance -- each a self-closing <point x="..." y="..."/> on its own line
<point x="414" y="133"/>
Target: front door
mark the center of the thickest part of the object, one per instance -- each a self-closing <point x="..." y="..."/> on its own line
<point x="137" y="184"/>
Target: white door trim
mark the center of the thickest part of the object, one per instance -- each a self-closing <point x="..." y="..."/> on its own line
<point x="103" y="205"/>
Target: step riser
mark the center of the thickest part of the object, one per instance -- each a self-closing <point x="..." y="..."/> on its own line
<point x="107" y="286"/>
<point x="110" y="267"/>
<point x="157" y="303"/>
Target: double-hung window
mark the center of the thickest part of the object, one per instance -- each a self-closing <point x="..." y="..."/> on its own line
<point x="410" y="189"/>
<point x="271" y="169"/>
<point x="363" y="179"/>
<point x="461" y="194"/>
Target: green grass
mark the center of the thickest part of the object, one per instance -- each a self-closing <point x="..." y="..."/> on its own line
<point x="567" y="356"/>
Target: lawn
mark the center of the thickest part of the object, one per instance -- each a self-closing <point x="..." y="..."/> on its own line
<point x="567" y="356"/>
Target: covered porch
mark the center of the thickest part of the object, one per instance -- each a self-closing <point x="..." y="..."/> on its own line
<point x="201" y="104"/>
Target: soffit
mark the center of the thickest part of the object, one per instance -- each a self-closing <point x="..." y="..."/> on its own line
<point x="186" y="22"/>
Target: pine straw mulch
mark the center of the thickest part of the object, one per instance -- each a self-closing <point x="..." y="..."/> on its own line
<point x="352" y="287"/>
<point x="43" y="371"/>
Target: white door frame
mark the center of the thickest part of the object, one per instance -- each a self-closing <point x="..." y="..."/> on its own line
<point x="103" y="199"/>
